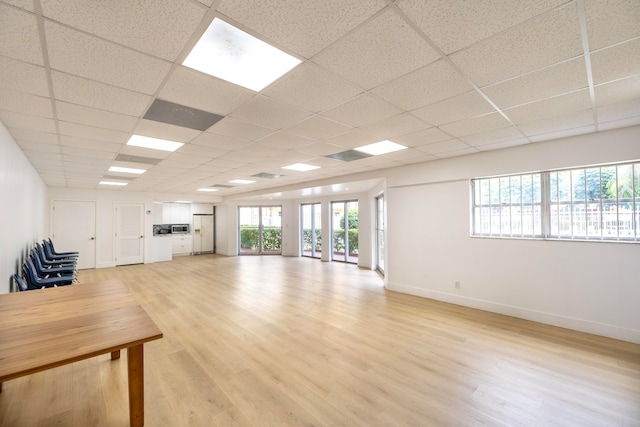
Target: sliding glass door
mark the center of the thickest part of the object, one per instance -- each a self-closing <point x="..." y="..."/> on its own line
<point x="344" y="231"/>
<point x="311" y="230"/>
<point x="260" y="230"/>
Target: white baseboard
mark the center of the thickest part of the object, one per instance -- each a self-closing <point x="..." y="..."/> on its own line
<point x="596" y="328"/>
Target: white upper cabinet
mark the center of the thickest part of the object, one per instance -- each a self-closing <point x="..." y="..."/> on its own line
<point x="176" y="213"/>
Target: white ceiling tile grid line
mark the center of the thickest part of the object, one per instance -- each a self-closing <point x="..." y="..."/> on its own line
<point x="77" y="78"/>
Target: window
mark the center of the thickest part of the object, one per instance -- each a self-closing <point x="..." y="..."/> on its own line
<point x="592" y="203"/>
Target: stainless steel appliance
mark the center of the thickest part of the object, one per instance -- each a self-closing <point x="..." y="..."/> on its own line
<point x="180" y="229"/>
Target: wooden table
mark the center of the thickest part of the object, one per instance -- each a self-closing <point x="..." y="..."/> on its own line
<point x="47" y="328"/>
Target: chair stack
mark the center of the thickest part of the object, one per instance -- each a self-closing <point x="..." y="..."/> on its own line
<point x="44" y="267"/>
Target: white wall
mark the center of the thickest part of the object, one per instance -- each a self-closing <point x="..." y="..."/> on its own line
<point x="24" y="208"/>
<point x="587" y="286"/>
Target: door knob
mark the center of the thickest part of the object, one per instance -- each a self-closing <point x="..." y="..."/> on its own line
<point x="93" y="238"/>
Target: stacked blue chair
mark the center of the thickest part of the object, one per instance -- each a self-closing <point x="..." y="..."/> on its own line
<point x="20" y="283"/>
<point x="36" y="281"/>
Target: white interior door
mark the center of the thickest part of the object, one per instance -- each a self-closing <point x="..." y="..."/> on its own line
<point x="129" y="233"/>
<point x="74" y="230"/>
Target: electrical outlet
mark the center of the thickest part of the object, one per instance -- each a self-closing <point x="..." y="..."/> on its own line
<point x="457" y="285"/>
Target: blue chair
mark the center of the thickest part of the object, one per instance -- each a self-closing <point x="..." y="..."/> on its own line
<point x="19" y="283"/>
<point x="51" y="252"/>
<point x="34" y="281"/>
<point x="44" y="271"/>
<point x="52" y="263"/>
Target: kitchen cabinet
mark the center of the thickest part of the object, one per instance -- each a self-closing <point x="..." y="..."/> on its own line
<point x="176" y="213"/>
<point x="156" y="211"/>
<point x="201" y="209"/>
<point x="182" y="244"/>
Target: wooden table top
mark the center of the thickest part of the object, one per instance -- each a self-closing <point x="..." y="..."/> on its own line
<point x="46" y="328"/>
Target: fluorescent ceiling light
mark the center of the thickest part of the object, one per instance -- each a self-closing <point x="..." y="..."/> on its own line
<point x="113" y="183"/>
<point x="126" y="170"/>
<point x="154" y="143"/>
<point x="382" y="147"/>
<point x="230" y="54"/>
<point x="182" y="201"/>
<point x="242" y="181"/>
<point x="207" y="189"/>
<point x="301" y="167"/>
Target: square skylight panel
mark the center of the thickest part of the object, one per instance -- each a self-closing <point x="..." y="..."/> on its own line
<point x="230" y="54"/>
<point x="301" y="167"/>
<point x="154" y="143"/>
<point x="382" y="147"/>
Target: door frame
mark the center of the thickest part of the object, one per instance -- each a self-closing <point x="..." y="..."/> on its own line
<point x="115" y="231"/>
<point x="260" y="230"/>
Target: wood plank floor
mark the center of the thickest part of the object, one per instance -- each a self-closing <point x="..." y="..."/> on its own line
<point x="275" y="341"/>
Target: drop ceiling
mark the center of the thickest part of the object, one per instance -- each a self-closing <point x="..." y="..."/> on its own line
<point x="445" y="78"/>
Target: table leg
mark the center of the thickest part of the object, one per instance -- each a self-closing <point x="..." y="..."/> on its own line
<point x="135" y="367"/>
<point x="0" y="387"/>
<point x="115" y="355"/>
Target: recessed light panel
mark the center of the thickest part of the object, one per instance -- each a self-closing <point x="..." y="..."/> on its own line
<point x="113" y="183"/>
<point x="126" y="170"/>
<point x="301" y="167"/>
<point x="154" y="143"/>
<point x="242" y="181"/>
<point x="382" y="147"/>
<point x="230" y="54"/>
<point x="207" y="189"/>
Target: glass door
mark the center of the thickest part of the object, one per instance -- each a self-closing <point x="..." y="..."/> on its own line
<point x="344" y="225"/>
<point x="260" y="230"/>
<point x="380" y="233"/>
<point x="311" y="230"/>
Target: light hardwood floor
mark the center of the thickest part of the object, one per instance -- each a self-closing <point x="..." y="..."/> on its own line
<point x="274" y="341"/>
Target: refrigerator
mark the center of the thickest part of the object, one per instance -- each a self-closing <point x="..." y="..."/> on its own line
<point x="203" y="234"/>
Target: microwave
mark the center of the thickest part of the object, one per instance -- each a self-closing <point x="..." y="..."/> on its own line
<point x="179" y="228"/>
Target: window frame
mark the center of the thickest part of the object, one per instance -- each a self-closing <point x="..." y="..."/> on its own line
<point x="570" y="214"/>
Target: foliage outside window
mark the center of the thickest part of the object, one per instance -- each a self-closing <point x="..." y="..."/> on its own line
<point x="593" y="203"/>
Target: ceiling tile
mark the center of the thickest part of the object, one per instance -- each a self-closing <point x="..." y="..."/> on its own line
<point x="221" y="142"/>
<point x="558" y="105"/>
<point x="395" y="126"/>
<point x="493" y="137"/>
<point x="318" y="127"/>
<point x="615" y="124"/>
<point x="616" y="91"/>
<point x="198" y="90"/>
<point x="239" y="129"/>
<point x="476" y="124"/>
<point x="77" y="53"/>
<point x="463" y="106"/>
<point x="534" y="44"/>
<point x="557" y="125"/>
<point x="455" y="24"/>
<point x="91" y="117"/>
<point x="20" y="36"/>
<point x="199" y="150"/>
<point x="23" y="77"/>
<point x="39" y="146"/>
<point x="26" y="121"/>
<point x="611" y="21"/>
<point x="312" y="88"/>
<point x="363" y="110"/>
<point x="352" y="139"/>
<point x="88" y="132"/>
<point x="77" y="90"/>
<point x="504" y="144"/>
<point x="356" y="56"/>
<point x="616" y="62"/>
<point x="21" y="134"/>
<point x="423" y="137"/>
<point x="320" y="149"/>
<point x="435" y="82"/>
<point x="268" y="112"/>
<point x="195" y="160"/>
<point x="457" y="153"/>
<point x="285" y="140"/>
<point x="20" y="102"/>
<point x="304" y="27"/>
<point x="144" y="152"/>
<point x="160" y="28"/>
<point x="564" y="133"/>
<point x="620" y="110"/>
<point x="72" y="141"/>
<point x="91" y="154"/>
<point x="438" y="148"/>
<point x="551" y="81"/>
